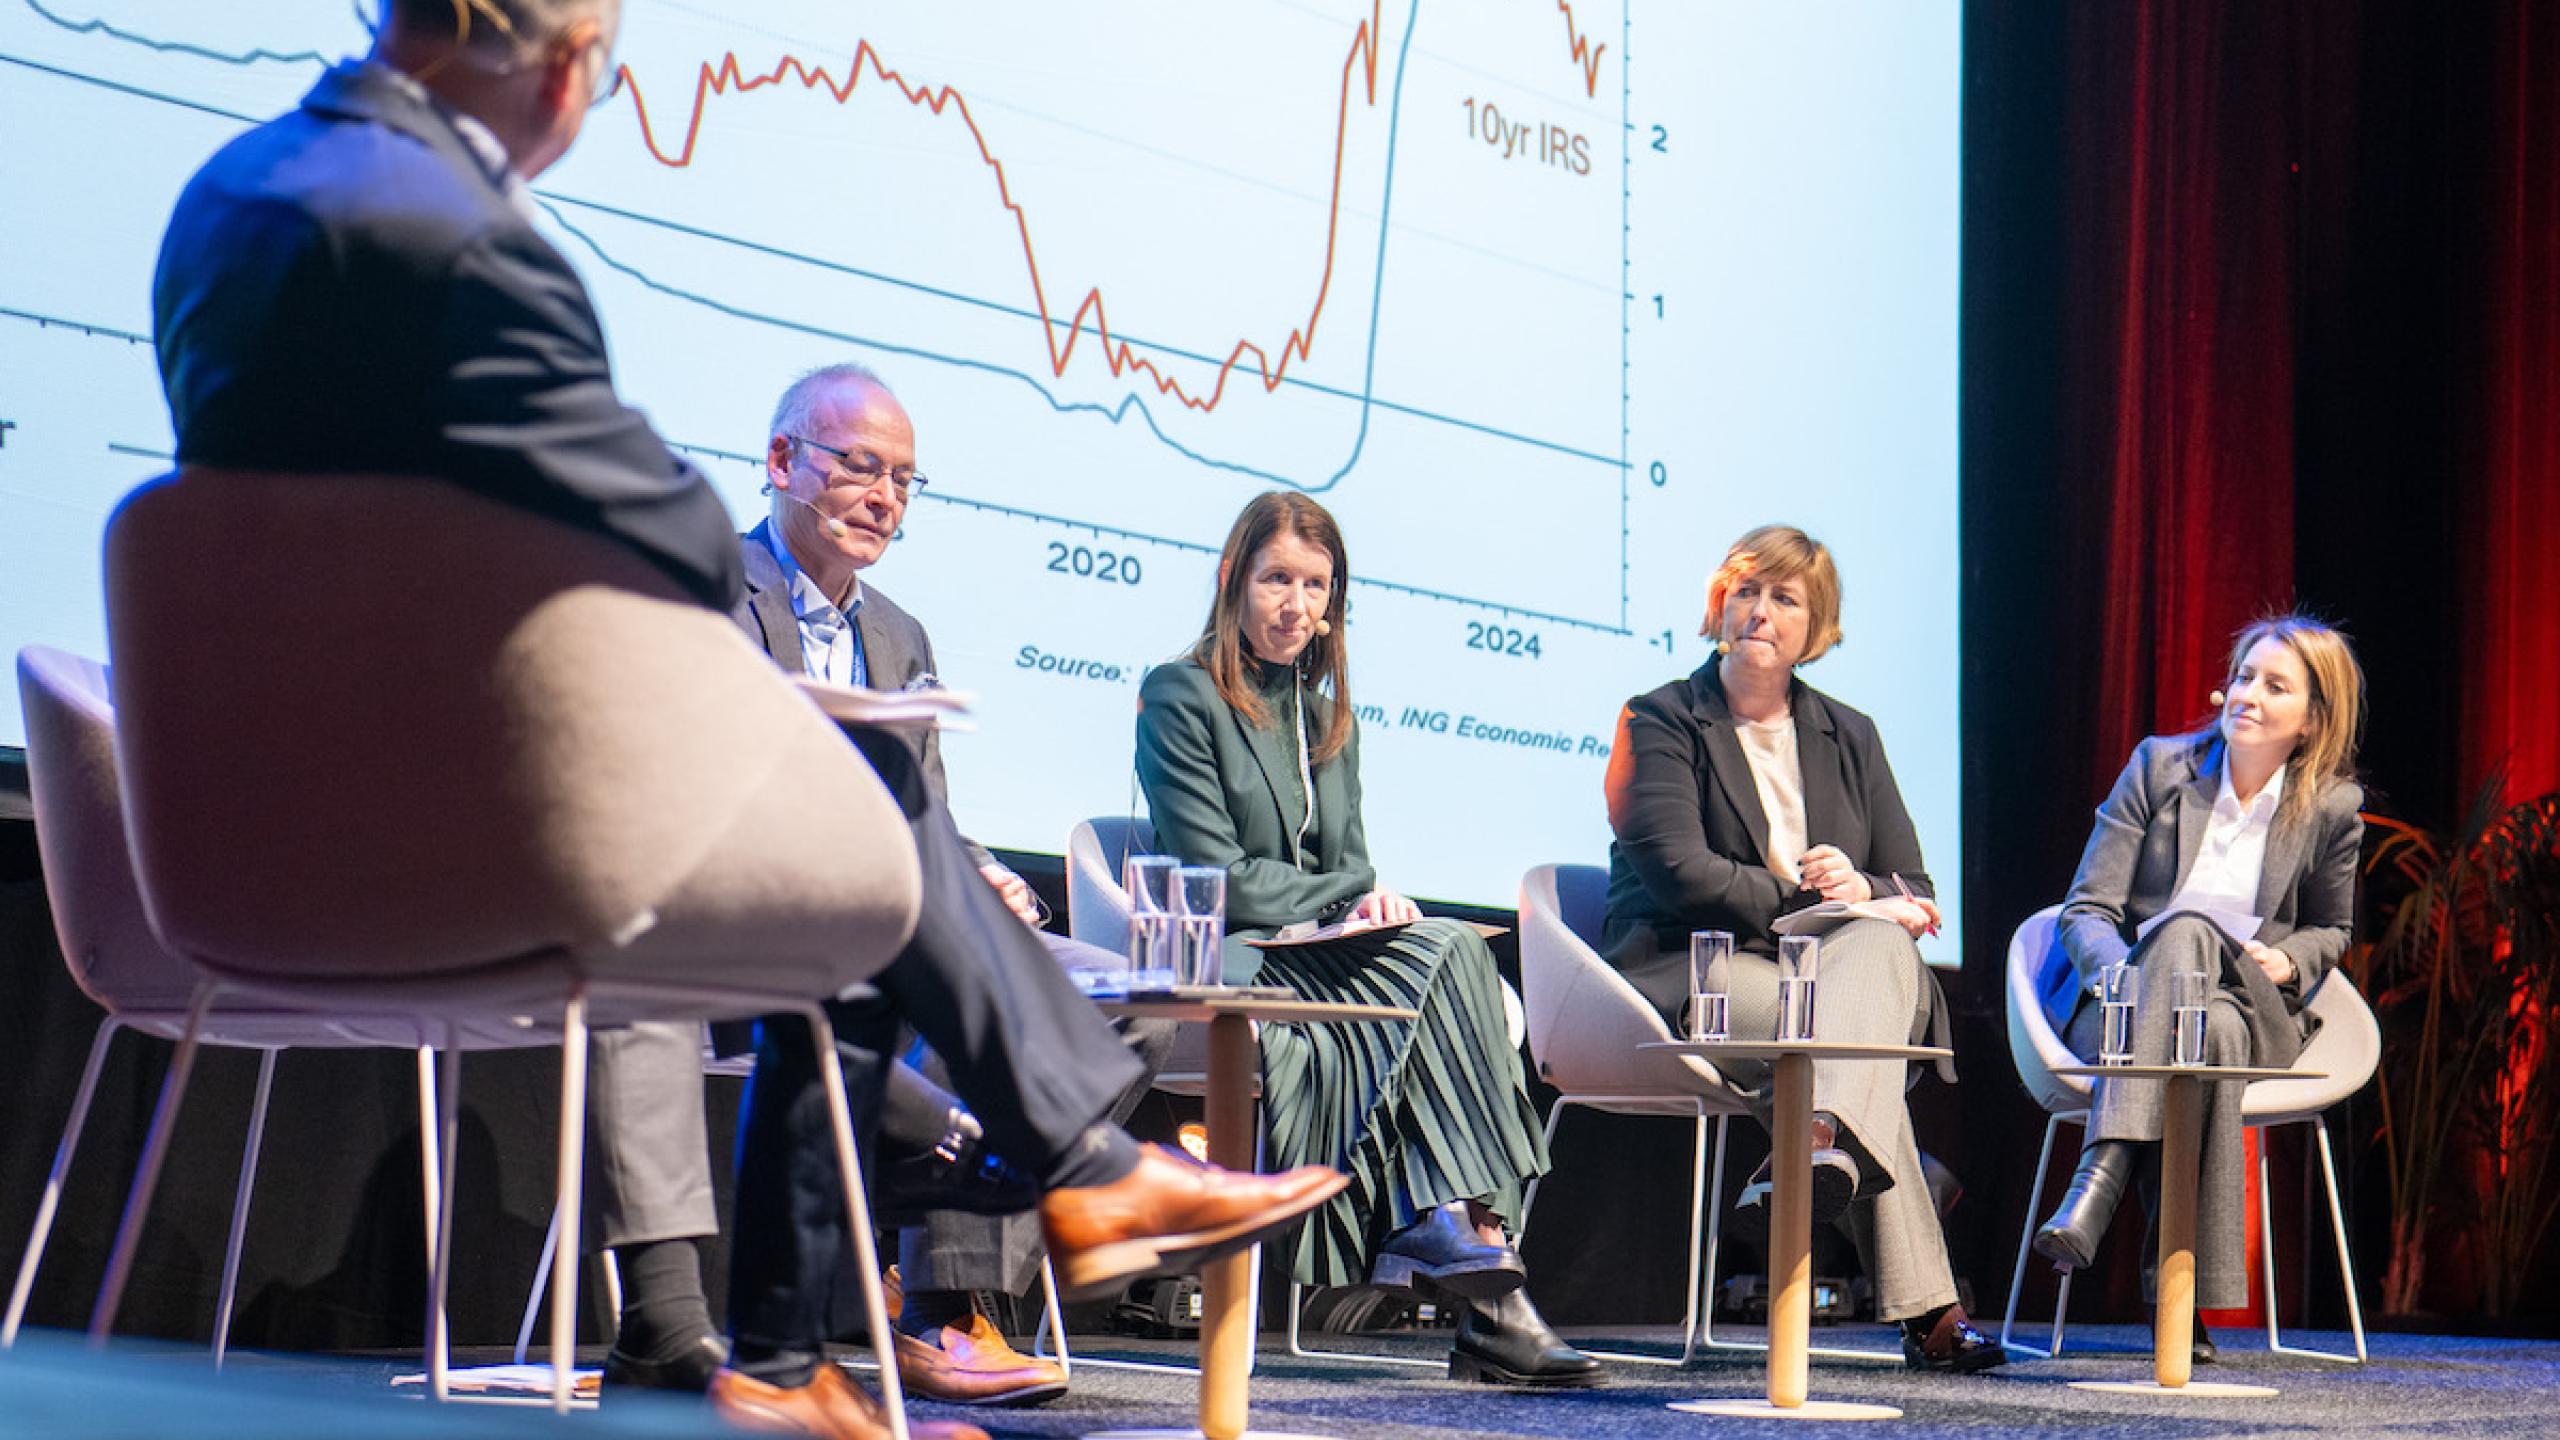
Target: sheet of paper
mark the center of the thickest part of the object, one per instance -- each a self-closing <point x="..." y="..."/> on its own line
<point x="2234" y="921"/>
<point x="1318" y="935"/>
<point x="889" y="709"/>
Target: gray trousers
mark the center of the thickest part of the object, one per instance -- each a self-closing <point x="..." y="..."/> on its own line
<point x="2245" y="1024"/>
<point x="650" y="1164"/>
<point x="1870" y="987"/>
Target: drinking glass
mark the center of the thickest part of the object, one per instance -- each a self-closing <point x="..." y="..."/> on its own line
<point x="1149" y="879"/>
<point x="1710" y="984"/>
<point x="1200" y="897"/>
<point x="1799" y="956"/>
<point x="2115" y="1014"/>
<point x="2188" y="1018"/>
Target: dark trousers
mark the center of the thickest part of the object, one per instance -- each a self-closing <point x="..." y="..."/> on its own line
<point x="1028" y="1054"/>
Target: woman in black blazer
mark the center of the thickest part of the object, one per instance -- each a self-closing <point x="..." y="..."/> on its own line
<point x="2256" y="817"/>
<point x="1742" y="793"/>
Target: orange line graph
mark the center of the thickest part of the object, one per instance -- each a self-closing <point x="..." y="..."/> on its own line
<point x="726" y="78"/>
<point x="1585" y="54"/>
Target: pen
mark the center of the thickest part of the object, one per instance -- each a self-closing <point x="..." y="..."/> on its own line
<point x="1898" y="884"/>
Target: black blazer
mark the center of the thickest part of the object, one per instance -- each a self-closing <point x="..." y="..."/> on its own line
<point x="351" y="287"/>
<point x="1691" y="846"/>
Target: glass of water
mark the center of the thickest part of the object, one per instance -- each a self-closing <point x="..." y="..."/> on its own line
<point x="1149" y="880"/>
<point x="1799" y="956"/>
<point x="1710" y="985"/>
<point x="2115" y="1014"/>
<point x="2189" y="992"/>
<point x="1200" y="924"/>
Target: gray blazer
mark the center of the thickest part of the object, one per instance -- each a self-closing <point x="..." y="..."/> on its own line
<point x="896" y="653"/>
<point x="2145" y="841"/>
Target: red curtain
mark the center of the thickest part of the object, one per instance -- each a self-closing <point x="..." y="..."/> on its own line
<point x="2512" y="590"/>
<point x="2181" y="414"/>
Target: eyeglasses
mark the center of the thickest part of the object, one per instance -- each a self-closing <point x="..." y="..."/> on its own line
<point x="869" y="472"/>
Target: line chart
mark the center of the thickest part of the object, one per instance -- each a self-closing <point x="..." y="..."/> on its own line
<point x="1585" y="54"/>
<point x="725" y="78"/>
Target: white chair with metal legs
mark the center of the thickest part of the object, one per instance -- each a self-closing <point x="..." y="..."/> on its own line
<point x="117" y="961"/>
<point x="509" y="781"/>
<point x="1585" y="1026"/>
<point x="2345" y="1053"/>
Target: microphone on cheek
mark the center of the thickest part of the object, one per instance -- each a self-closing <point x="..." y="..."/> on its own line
<point x="2215" y="699"/>
<point x="834" y="527"/>
<point x="1323" y="626"/>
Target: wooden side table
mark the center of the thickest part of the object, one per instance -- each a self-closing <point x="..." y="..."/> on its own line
<point x="1226" y="1304"/>
<point x="1791" y="1215"/>
<point x="2173" y="1310"/>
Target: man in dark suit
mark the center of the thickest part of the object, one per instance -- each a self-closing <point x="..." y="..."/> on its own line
<point x="357" y="286"/>
<point x="839" y="464"/>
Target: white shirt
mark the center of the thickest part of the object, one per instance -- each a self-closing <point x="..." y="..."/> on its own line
<point x="830" y="648"/>
<point x="2233" y="855"/>
<point x="1779" y="777"/>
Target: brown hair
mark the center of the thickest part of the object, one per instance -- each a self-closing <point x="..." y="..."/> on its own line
<point x="1775" y="553"/>
<point x="2326" y="753"/>
<point x="1221" y="649"/>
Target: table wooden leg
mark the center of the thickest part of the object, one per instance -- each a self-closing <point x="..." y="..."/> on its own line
<point x="1790" y="1229"/>
<point x="1226" y="1300"/>
<point x="2174" y="1315"/>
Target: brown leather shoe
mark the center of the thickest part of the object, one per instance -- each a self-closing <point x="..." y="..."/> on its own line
<point x="829" y="1406"/>
<point x="974" y="1366"/>
<point x="1169" y="1215"/>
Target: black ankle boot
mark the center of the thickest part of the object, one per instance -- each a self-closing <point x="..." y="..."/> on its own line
<point x="2070" y="1238"/>
<point x="1506" y="1342"/>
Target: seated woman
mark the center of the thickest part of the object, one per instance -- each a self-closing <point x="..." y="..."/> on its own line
<point x="1250" y="759"/>
<point x="2258" y="817"/>
<point x="1739" y="794"/>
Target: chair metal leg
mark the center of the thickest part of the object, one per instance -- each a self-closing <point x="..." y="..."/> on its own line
<point x="1715" y="1230"/>
<point x="2338" y="1228"/>
<point x="1689" y="1321"/>
<point x="146" y="1175"/>
<point x="42" y="1230"/>
<point x="541" y="1287"/>
<point x="1299" y="1347"/>
<point x="567" y="1197"/>
<point x="858" y="1213"/>
<point x="240" y="1206"/>
<point x="446" y="1130"/>
<point x="2026" y="1235"/>
<point x="1053" y="1318"/>
<point x="430" y="1154"/>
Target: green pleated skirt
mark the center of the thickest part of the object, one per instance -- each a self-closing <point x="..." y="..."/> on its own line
<point x="1418" y="1113"/>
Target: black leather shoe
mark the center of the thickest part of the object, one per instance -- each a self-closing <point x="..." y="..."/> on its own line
<point x="689" y="1368"/>
<point x="1442" y="1252"/>
<point x="2203" y="1349"/>
<point x="1835" y="1184"/>
<point x="2070" y="1238"/>
<point x="1507" y="1342"/>
<point x="1951" y="1346"/>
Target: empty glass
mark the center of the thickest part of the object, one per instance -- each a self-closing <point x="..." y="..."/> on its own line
<point x="1799" y="956"/>
<point x="2115" y="1015"/>
<point x="1710" y="985"/>
<point x="1200" y="924"/>
<point x="1149" y="880"/>
<point x="2189" y="990"/>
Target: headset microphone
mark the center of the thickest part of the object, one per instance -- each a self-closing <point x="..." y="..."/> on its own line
<point x="2215" y="699"/>
<point x="834" y="526"/>
<point x="1323" y="626"/>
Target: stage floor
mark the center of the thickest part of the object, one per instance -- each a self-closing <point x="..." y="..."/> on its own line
<point x="2416" y="1385"/>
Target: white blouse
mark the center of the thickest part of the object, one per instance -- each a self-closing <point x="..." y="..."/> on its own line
<point x="1779" y="777"/>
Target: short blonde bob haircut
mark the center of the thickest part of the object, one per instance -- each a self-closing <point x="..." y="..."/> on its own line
<point x="1776" y="553"/>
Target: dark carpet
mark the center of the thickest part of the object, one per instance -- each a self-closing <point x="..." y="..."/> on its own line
<point x="2417" y="1385"/>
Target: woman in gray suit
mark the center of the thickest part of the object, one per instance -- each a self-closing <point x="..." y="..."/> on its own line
<point x="1250" y="758"/>
<point x="2245" y="837"/>
<point x="1738" y="795"/>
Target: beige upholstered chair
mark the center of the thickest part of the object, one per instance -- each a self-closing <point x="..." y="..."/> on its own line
<point x="393" y="749"/>
<point x="2345" y="1052"/>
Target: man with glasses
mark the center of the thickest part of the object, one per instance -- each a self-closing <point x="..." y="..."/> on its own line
<point x="358" y="286"/>
<point x="840" y="468"/>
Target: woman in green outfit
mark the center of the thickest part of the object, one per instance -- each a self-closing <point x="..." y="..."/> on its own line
<point x="1250" y="759"/>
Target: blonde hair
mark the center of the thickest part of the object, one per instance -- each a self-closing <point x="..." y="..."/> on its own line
<point x="2326" y="754"/>
<point x="1775" y="553"/>
<point x="1221" y="648"/>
